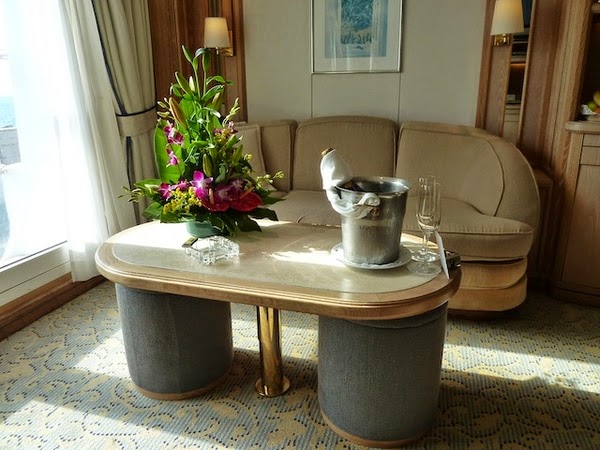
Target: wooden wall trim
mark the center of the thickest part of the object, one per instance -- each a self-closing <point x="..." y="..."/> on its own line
<point x="493" y="81"/>
<point x="235" y="68"/>
<point x="25" y="310"/>
<point x="174" y="23"/>
<point x="539" y="88"/>
<point x="486" y="58"/>
<point x="572" y="46"/>
<point x="498" y="78"/>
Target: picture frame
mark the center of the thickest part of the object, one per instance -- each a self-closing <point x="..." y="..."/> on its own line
<point x="356" y="35"/>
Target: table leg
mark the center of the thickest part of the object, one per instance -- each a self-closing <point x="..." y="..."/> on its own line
<point x="272" y="382"/>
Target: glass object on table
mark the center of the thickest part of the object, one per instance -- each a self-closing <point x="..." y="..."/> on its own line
<point x="424" y="253"/>
<point x="211" y="249"/>
<point x="429" y="214"/>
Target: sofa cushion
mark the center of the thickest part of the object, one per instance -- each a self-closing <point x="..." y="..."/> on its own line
<point x="476" y="236"/>
<point x="302" y="206"/>
<point x="357" y="138"/>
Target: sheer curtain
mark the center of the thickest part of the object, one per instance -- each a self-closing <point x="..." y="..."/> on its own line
<point x="99" y="151"/>
<point x="60" y="75"/>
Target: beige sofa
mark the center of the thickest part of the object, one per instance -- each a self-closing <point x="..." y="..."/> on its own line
<point x="490" y="199"/>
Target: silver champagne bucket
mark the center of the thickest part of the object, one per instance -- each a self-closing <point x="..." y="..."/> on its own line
<point x="375" y="237"/>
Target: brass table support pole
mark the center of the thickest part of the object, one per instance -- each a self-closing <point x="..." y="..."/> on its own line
<point x="272" y="382"/>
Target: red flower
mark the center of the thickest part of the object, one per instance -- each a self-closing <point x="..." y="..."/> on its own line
<point x="247" y="202"/>
<point x="215" y="207"/>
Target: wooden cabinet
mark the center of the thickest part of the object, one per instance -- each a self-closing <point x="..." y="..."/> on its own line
<point x="576" y="274"/>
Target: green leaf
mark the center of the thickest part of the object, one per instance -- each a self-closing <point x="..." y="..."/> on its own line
<point x="237" y="154"/>
<point x="271" y="200"/>
<point x="217" y="101"/>
<point x="183" y="83"/>
<point x="175" y="90"/>
<point x="153" y="211"/>
<point x="168" y="174"/>
<point x="147" y="184"/>
<point x="222" y="175"/>
<point x="263" y="213"/>
<point x="200" y="51"/>
<point x="207" y="165"/>
<point x="187" y="54"/>
<point x="169" y="217"/>
<point x="216" y="79"/>
<point x="211" y="93"/>
<point x="233" y="139"/>
<point x="205" y="60"/>
<point x="233" y="111"/>
<point x="245" y="223"/>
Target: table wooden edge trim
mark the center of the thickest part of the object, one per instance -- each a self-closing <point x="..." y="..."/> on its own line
<point x="381" y="306"/>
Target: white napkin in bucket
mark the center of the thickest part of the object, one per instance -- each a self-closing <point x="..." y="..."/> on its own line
<point x="335" y="172"/>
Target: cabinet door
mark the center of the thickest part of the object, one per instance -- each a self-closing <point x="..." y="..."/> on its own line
<point x="582" y="262"/>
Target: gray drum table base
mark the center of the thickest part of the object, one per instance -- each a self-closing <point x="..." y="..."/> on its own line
<point x="379" y="380"/>
<point x="176" y="346"/>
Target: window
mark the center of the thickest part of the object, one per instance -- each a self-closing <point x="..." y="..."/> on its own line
<point x="32" y="230"/>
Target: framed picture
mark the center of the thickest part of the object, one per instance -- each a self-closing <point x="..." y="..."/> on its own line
<point x="356" y="35"/>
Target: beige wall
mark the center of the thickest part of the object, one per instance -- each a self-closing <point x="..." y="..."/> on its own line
<point x="441" y="56"/>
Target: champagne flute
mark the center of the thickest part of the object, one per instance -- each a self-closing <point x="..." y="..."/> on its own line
<point x="429" y="214"/>
<point x="423" y="253"/>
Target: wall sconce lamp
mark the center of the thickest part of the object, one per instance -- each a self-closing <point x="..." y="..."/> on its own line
<point x="216" y="35"/>
<point x="508" y="20"/>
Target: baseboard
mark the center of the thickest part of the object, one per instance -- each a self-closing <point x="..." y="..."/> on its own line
<point x="25" y="310"/>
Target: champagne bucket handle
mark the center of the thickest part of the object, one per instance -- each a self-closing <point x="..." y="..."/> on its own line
<point x="367" y="203"/>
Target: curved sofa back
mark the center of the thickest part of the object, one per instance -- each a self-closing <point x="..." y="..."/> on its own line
<point x="473" y="166"/>
<point x="367" y="144"/>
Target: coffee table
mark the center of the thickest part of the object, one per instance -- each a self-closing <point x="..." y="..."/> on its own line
<point x="287" y="266"/>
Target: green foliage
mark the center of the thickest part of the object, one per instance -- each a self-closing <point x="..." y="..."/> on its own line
<point x="203" y="173"/>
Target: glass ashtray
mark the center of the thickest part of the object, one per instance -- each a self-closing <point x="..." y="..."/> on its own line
<point x="211" y="249"/>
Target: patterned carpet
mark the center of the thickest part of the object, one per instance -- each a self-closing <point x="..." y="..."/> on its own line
<point x="529" y="381"/>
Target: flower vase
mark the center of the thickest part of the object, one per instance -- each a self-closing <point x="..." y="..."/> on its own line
<point x="202" y="229"/>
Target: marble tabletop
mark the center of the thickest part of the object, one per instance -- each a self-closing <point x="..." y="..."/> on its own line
<point x="286" y="266"/>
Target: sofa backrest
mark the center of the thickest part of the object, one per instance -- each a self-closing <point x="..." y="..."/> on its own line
<point x="473" y="166"/>
<point x="367" y="144"/>
<point x="276" y="142"/>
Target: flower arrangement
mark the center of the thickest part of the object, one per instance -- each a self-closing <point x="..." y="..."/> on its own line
<point x="204" y="175"/>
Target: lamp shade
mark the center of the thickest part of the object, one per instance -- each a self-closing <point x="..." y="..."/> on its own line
<point x="216" y="34"/>
<point x="508" y="17"/>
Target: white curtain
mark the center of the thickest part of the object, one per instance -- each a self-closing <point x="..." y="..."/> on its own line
<point x="61" y="75"/>
<point x="124" y="27"/>
<point x="100" y="152"/>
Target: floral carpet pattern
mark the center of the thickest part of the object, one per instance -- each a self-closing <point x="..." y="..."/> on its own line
<point x="527" y="381"/>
